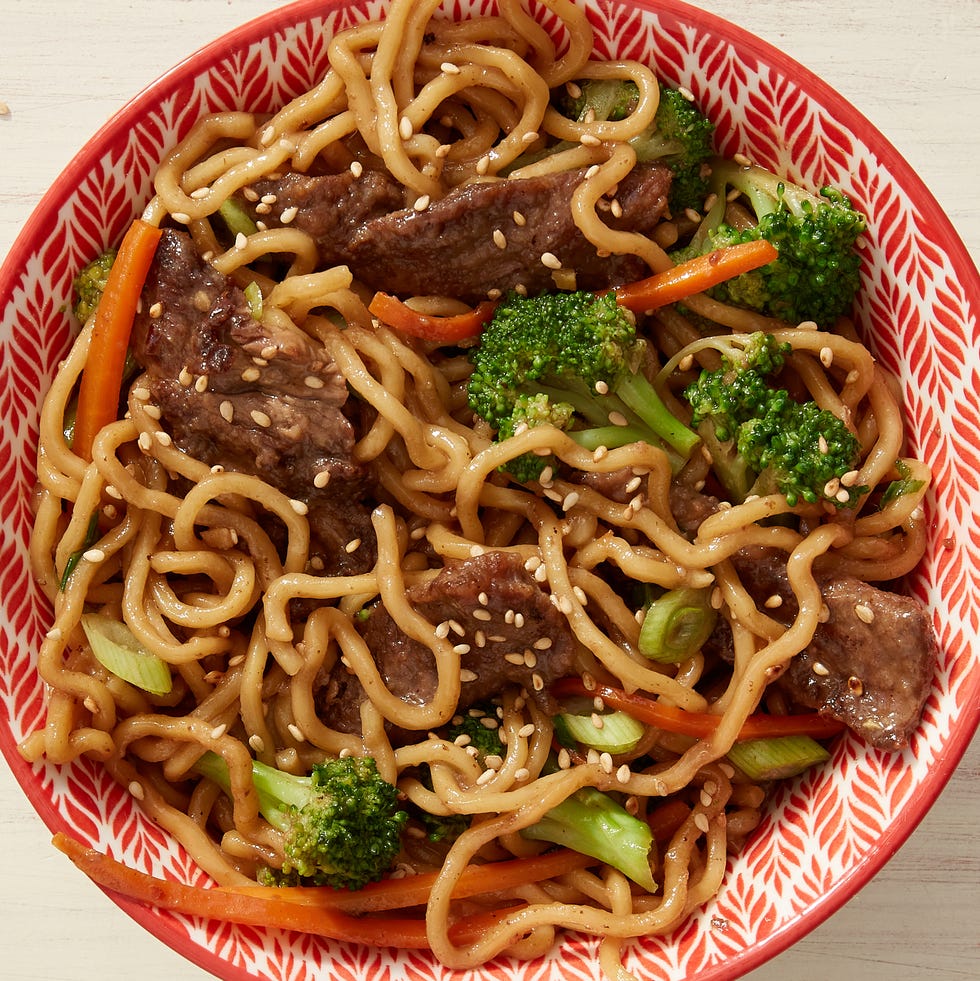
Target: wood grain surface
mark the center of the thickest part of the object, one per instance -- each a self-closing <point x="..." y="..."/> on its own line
<point x="909" y="66"/>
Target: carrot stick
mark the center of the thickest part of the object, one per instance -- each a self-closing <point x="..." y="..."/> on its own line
<point x="695" y="275"/>
<point x="98" y="395"/>
<point x="236" y="907"/>
<point x="666" y="819"/>
<point x="701" y="725"/>
<point x="444" y="330"/>
<point x="413" y="890"/>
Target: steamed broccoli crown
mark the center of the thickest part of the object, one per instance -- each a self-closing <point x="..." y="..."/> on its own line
<point x="477" y="728"/>
<point x="90" y="283"/>
<point x="349" y="831"/>
<point x="561" y="340"/>
<point x="817" y="273"/>
<point x="680" y="136"/>
<point x="796" y="448"/>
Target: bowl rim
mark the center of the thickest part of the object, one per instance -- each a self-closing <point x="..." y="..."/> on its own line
<point x="38" y="228"/>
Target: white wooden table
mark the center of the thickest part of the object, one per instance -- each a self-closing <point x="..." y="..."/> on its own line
<point x="911" y="67"/>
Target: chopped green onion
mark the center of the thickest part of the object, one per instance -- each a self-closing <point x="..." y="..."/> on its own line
<point x="119" y="652"/>
<point x="91" y="533"/>
<point x="907" y="484"/>
<point x="676" y="625"/>
<point x="778" y="757"/>
<point x="617" y="732"/>
<point x="254" y="296"/>
<point x="236" y="218"/>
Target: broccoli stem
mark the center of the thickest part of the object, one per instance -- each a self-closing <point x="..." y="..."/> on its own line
<point x="594" y="824"/>
<point x="636" y="392"/>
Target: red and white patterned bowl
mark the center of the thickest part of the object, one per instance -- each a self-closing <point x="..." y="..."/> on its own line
<point x="825" y="834"/>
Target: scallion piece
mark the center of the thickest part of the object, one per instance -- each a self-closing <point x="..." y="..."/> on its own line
<point x="777" y="758"/>
<point x="119" y="652"/>
<point x="676" y="625"/>
<point x="616" y="733"/>
<point x="254" y="296"/>
<point x="236" y="218"/>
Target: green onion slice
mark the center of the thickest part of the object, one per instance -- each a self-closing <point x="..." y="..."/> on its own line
<point x="676" y="625"/>
<point x="778" y="757"/>
<point x="119" y="652"/>
<point x="618" y="732"/>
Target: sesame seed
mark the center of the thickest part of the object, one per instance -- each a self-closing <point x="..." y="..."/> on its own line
<point x="824" y="615"/>
<point x="864" y="613"/>
<point x="701" y="822"/>
<point x="201" y="384"/>
<point x="624" y="773"/>
<point x="260" y="418"/>
<point x="514" y="658"/>
<point x="256" y="742"/>
<point x="449" y="68"/>
<point x="571" y="499"/>
<point x="461" y="649"/>
<point x="296" y="732"/>
<point x="164" y="439"/>
<point x="823" y="445"/>
<point x="153" y="411"/>
<point x="589" y="139"/>
<point x="685" y="93"/>
<point x="251" y="374"/>
<point x="289" y="214"/>
<point x="482" y="615"/>
<point x="842" y="496"/>
<point x="530" y="659"/>
<point x="826" y="356"/>
<point x="299" y="506"/>
<point x="537" y="682"/>
<point x="819" y="669"/>
<point x="580" y="595"/>
<point x="218" y="731"/>
<point x="529" y="137"/>
<point x="616" y="208"/>
<point x="550" y="260"/>
<point x="499" y="239"/>
<point x="855" y="687"/>
<point x="356" y="168"/>
<point x="484" y="778"/>
<point x="542" y="644"/>
<point x="465" y="674"/>
<point x="606" y="762"/>
<point x="519" y="219"/>
<point x="136" y="789"/>
<point x="705" y="798"/>
<point x="850" y="478"/>
<point x="617" y="418"/>
<point x="564" y="759"/>
<point x="597" y="720"/>
<point x="352" y="546"/>
<point x="321" y="479"/>
<point x="241" y="241"/>
<point x="93" y="555"/>
<point x="541" y="573"/>
<point x="185" y="377"/>
<point x="476" y="551"/>
<point x="421" y="202"/>
<point x="522" y="774"/>
<point x="831" y="487"/>
<point x="774" y="602"/>
<point x="442" y="630"/>
<point x="181" y="217"/>
<point x="483" y="165"/>
<point x="742" y="160"/>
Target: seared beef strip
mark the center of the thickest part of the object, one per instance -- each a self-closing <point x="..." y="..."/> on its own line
<point x="494" y="607"/>
<point x="449" y="248"/>
<point x="254" y="399"/>
<point x="870" y="665"/>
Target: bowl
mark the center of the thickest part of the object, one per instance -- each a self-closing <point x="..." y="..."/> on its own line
<point x="825" y="835"/>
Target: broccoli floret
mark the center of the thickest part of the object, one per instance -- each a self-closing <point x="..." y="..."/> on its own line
<point x="484" y="738"/>
<point x="761" y="440"/>
<point x="570" y="360"/>
<point x="89" y="285"/>
<point x="680" y="135"/>
<point x="341" y="824"/>
<point x="817" y="273"/>
<point x="596" y="824"/>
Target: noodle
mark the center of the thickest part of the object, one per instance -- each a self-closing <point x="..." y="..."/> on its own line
<point x="225" y="576"/>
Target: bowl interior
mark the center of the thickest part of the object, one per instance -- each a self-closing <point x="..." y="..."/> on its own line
<point x="825" y="834"/>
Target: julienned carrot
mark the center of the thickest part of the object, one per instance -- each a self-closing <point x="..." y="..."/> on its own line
<point x="695" y="275"/>
<point x="413" y="890"/>
<point x="231" y="906"/>
<point x="98" y="395"/>
<point x="444" y="330"/>
<point x="700" y="725"/>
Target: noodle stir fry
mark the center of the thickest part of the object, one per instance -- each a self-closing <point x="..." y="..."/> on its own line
<point x="453" y="523"/>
